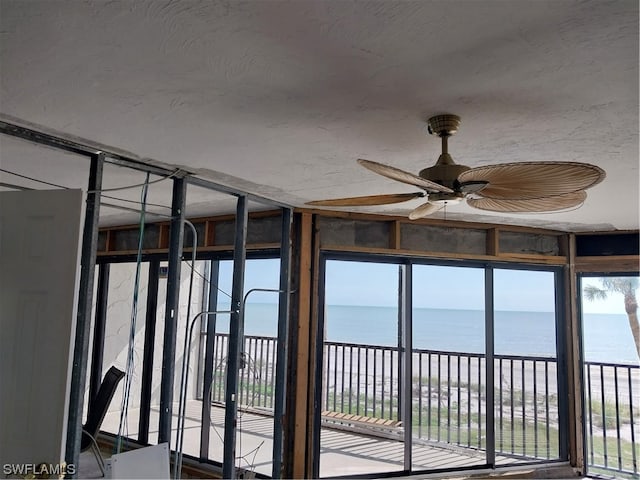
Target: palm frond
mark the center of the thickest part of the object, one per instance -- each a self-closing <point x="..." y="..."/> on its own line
<point x="592" y="292"/>
<point x="623" y="285"/>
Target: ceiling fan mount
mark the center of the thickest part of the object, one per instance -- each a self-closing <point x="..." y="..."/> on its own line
<point x="518" y="187"/>
<point x="445" y="171"/>
<point x="443" y="125"/>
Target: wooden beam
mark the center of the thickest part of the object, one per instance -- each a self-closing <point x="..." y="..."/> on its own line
<point x="210" y="233"/>
<point x="574" y="367"/>
<point x="493" y="241"/>
<point x="313" y="352"/>
<point x="429" y="221"/>
<point x="217" y="248"/>
<point x="394" y="235"/>
<point x="533" y="257"/>
<point x="511" y="257"/>
<point x="109" y="241"/>
<point x="608" y="264"/>
<point x="300" y="427"/>
<point x="164" y="237"/>
<point x="563" y="244"/>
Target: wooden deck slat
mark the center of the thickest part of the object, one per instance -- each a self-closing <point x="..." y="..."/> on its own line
<point x="361" y="420"/>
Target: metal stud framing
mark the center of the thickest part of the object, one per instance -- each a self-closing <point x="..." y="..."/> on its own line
<point x="236" y="340"/>
<point x="111" y="156"/>
<point x="102" y="300"/>
<point x="147" y="357"/>
<point x="208" y="359"/>
<point x="85" y="305"/>
<point x="279" y="419"/>
<point x="99" y="155"/>
<point x="171" y="312"/>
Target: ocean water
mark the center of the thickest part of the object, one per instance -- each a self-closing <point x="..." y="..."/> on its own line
<point x="607" y="337"/>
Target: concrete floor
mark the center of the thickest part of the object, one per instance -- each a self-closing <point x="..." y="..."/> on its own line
<point x="341" y="453"/>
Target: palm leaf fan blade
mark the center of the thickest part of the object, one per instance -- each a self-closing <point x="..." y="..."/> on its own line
<point x="533" y="180"/>
<point x="424" y="210"/>
<point x="530" y="205"/>
<point x="368" y="200"/>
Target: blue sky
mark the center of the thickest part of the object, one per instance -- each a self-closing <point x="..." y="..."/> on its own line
<point x="358" y="283"/>
<point x="613" y="304"/>
<point x="375" y="284"/>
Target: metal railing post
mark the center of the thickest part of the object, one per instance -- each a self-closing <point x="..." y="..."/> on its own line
<point x="406" y="361"/>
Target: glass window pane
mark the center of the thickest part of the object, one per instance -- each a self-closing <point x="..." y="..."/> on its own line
<point x="611" y="374"/>
<point x="256" y="389"/>
<point x="526" y="382"/>
<point x="361" y="370"/>
<point x="449" y="408"/>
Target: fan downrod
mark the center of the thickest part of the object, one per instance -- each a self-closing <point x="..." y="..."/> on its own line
<point x="443" y="125"/>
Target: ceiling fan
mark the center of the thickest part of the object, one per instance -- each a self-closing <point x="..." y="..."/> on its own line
<point x="521" y="187"/>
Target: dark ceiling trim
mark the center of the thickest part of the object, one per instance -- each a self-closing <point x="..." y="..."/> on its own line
<point x="201" y="182"/>
<point x="71" y="146"/>
<point x="84" y="149"/>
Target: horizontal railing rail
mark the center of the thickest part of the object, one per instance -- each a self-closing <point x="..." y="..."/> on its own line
<point x="449" y="397"/>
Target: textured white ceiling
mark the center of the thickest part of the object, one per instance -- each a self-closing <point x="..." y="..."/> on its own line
<point x="281" y="97"/>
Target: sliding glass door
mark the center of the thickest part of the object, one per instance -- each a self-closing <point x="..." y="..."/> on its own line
<point x="360" y="397"/>
<point x="438" y="367"/>
<point x="449" y="387"/>
<point x="527" y="404"/>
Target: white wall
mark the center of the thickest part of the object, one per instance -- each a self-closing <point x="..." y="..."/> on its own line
<point x="118" y="325"/>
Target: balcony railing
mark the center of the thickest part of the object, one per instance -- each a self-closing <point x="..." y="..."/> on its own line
<point x="257" y="371"/>
<point x="449" y="397"/>
<point x="612" y="414"/>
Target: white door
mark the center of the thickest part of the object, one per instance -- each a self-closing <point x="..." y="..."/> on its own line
<point x="40" y="235"/>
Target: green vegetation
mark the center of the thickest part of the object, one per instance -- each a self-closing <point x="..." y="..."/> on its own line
<point x="613" y="458"/>
<point x="361" y="406"/>
<point x="605" y="415"/>
<point x="446" y="418"/>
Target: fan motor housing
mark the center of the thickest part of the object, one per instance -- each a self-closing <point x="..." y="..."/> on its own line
<point x="445" y="171"/>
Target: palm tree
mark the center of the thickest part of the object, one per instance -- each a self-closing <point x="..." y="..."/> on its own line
<point x="627" y="286"/>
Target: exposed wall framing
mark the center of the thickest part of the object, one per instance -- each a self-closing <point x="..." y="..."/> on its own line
<point x="574" y="363"/>
<point x="214" y="234"/>
<point x="440" y="239"/>
<point x="364" y="233"/>
<point x="607" y="252"/>
<point x="160" y="238"/>
<point x="302" y="366"/>
<point x="360" y="233"/>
